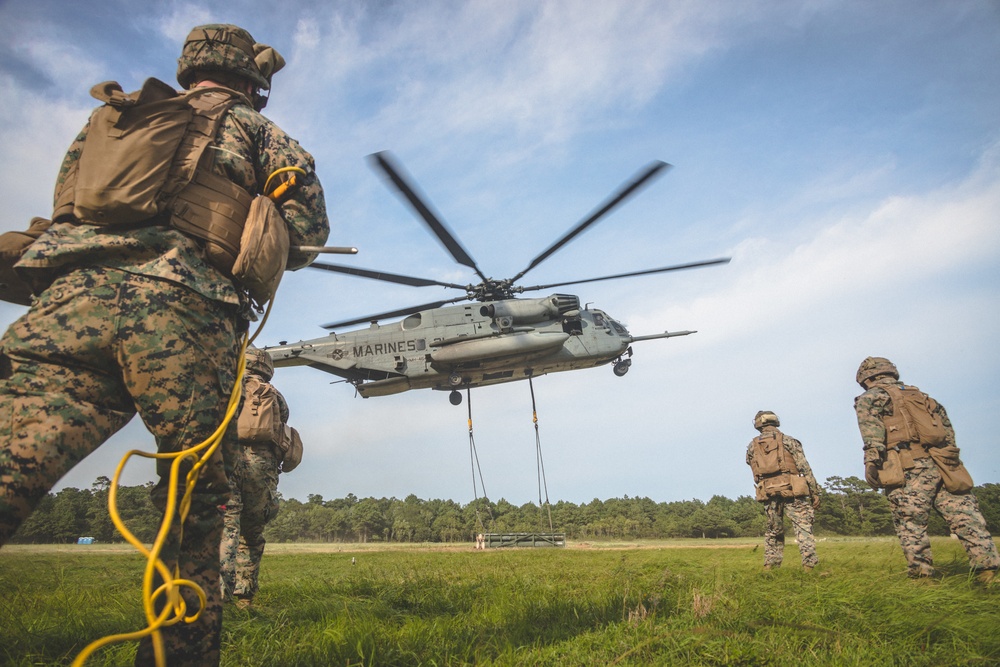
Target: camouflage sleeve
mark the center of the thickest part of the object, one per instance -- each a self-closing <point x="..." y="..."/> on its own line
<point x="794" y="447"/>
<point x="750" y="452"/>
<point x="70" y="161"/>
<point x="870" y="407"/>
<point x="282" y="405"/>
<point x="305" y="210"/>
<point x="949" y="429"/>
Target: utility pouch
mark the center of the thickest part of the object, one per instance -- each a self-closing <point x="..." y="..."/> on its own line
<point x="779" y="486"/>
<point x="906" y="458"/>
<point x="13" y="245"/>
<point x="800" y="487"/>
<point x="953" y="472"/>
<point x="891" y="473"/>
<point x="263" y="251"/>
<point x="290" y="449"/>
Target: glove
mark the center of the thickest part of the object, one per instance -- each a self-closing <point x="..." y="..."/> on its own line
<point x="871" y="475"/>
<point x="816" y="502"/>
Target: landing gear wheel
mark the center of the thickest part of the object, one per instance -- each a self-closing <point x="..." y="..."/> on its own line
<point x="621" y="368"/>
<point x="455" y="397"/>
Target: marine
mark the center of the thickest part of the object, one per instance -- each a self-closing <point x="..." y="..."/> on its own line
<point x="901" y="460"/>
<point x="253" y="484"/>
<point x="136" y="316"/>
<point x="784" y="483"/>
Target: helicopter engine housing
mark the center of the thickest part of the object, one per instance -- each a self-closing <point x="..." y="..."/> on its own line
<point x="528" y="311"/>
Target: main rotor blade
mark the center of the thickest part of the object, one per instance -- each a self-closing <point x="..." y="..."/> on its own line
<point x="383" y="276"/>
<point x="394" y="172"/>
<point x="627" y="189"/>
<point x="676" y="267"/>
<point x="392" y="313"/>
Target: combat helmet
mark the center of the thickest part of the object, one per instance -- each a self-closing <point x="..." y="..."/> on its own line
<point x="259" y="363"/>
<point x="227" y="48"/>
<point x="872" y="367"/>
<point x="765" y="418"/>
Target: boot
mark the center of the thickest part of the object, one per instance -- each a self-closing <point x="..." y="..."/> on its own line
<point x="986" y="577"/>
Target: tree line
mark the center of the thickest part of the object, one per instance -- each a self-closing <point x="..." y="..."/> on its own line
<point x="848" y="507"/>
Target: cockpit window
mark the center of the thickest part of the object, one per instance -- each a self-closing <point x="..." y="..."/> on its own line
<point x="599" y="320"/>
<point x="619" y="328"/>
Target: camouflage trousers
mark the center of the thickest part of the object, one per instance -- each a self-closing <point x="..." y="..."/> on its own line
<point x="253" y="502"/>
<point x="801" y="512"/>
<point x="96" y="347"/>
<point x="911" y="506"/>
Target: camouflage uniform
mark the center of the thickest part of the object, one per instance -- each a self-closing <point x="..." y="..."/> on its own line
<point x="800" y="510"/>
<point x="253" y="502"/>
<point x="911" y="503"/>
<point x="137" y="320"/>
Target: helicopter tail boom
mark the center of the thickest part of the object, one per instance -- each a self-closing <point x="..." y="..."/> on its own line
<point x="665" y="334"/>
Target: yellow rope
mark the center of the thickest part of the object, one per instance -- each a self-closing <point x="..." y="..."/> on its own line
<point x="175" y="609"/>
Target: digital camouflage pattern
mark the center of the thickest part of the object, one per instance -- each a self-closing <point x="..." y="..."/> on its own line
<point x="137" y="319"/>
<point x="96" y="347"/>
<point x="923" y="489"/>
<point x="801" y="513"/>
<point x="220" y="47"/>
<point x="800" y="510"/>
<point x="252" y="504"/>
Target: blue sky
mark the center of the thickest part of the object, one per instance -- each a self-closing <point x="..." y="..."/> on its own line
<point x="846" y="155"/>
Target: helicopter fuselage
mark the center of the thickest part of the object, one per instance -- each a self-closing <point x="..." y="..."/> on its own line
<point x="470" y="345"/>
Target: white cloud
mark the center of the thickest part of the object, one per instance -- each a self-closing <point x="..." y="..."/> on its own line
<point x="176" y="25"/>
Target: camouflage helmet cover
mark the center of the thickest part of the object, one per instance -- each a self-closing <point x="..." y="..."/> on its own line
<point x="226" y="48"/>
<point x="765" y="418"/>
<point x="259" y="363"/>
<point x="872" y="367"/>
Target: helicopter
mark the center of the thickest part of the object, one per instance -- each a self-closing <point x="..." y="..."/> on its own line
<point x="498" y="338"/>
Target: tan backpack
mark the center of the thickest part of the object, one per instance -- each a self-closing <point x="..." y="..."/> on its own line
<point x="914" y="418"/>
<point x="145" y="157"/>
<point x="260" y="418"/>
<point x="774" y="470"/>
<point x="768" y="452"/>
<point x="142" y="149"/>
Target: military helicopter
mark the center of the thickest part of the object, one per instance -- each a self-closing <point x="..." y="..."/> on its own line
<point x="500" y="338"/>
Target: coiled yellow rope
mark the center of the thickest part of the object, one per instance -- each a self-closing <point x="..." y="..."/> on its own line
<point x="175" y="609"/>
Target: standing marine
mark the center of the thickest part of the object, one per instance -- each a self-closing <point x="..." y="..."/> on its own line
<point x="910" y="451"/>
<point x="266" y="447"/>
<point x="784" y="482"/>
<point x="135" y="308"/>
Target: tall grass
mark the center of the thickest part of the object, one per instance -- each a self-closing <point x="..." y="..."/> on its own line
<point x="664" y="603"/>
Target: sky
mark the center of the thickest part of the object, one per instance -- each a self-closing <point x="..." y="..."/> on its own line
<point x="844" y="154"/>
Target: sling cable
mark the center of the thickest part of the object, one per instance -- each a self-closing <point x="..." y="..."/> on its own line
<point x="474" y="460"/>
<point x="539" y="463"/>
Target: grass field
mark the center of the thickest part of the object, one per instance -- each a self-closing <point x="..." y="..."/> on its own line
<point x="680" y="602"/>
